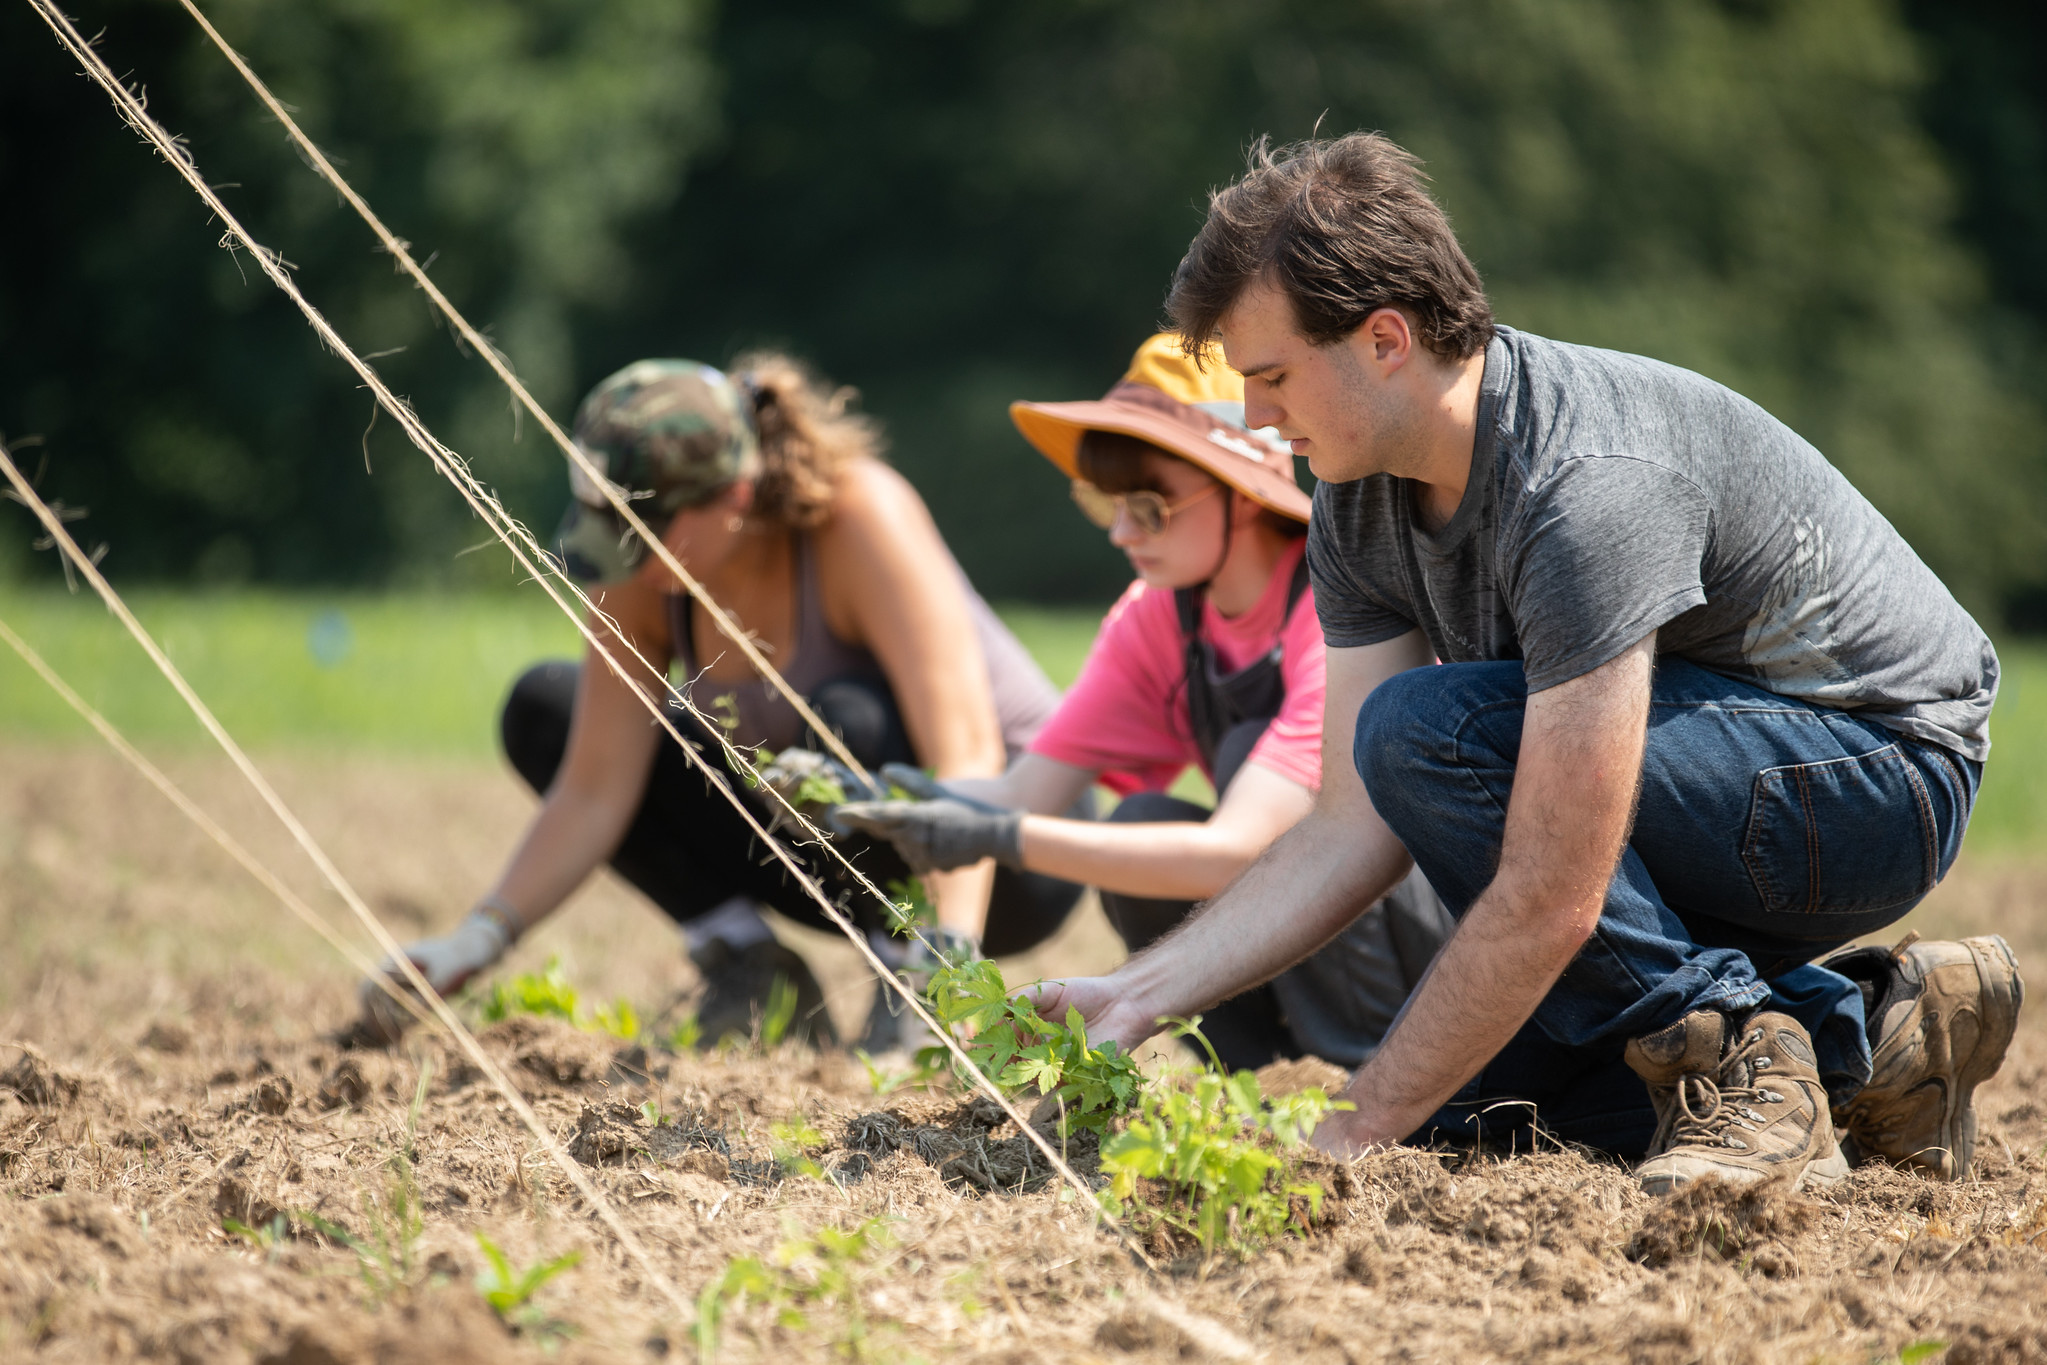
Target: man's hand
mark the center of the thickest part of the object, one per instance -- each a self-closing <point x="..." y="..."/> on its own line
<point x="940" y="835"/>
<point x="1107" y="1009"/>
<point x="448" y="963"/>
<point x="1347" y="1135"/>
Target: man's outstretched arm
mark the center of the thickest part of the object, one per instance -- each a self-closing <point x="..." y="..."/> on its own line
<point x="1316" y="879"/>
<point x="1574" y="798"/>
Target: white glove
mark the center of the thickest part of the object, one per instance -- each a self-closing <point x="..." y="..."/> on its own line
<point x="448" y="963"/>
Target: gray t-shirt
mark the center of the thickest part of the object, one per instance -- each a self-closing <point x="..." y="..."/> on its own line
<point x="1612" y="495"/>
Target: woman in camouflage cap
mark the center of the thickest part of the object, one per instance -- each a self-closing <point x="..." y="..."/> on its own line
<point x="773" y="494"/>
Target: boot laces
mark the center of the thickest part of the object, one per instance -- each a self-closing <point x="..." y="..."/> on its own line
<point x="1712" y="1113"/>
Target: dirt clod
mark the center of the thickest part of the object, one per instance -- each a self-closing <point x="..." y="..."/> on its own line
<point x="1755" y="1224"/>
<point x="35" y="1082"/>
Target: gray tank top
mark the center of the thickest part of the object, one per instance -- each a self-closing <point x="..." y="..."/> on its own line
<point x="1024" y="696"/>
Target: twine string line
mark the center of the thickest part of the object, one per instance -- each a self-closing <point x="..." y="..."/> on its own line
<point x="384" y="940"/>
<point x="399" y="249"/>
<point x="157" y="778"/>
<point x="494" y="357"/>
<point x="511" y="532"/>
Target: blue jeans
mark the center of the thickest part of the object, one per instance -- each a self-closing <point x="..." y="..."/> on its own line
<point x="1768" y="833"/>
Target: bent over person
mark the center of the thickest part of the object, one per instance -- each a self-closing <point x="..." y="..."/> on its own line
<point x="772" y="494"/>
<point x="1213" y="657"/>
<point x="1702" y="718"/>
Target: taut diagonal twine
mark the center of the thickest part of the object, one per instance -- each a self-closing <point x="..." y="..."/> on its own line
<point x="248" y="861"/>
<point x="512" y="533"/>
<point x="492" y="356"/>
<point x="378" y="932"/>
<point x="400" y="251"/>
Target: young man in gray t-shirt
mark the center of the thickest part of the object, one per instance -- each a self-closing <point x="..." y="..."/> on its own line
<point x="1701" y="717"/>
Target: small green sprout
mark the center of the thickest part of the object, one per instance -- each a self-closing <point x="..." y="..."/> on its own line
<point x="803" y="1275"/>
<point x="619" y="1019"/>
<point x="269" y="1238"/>
<point x="547" y="994"/>
<point x="793" y="1145"/>
<point x="686" y="1034"/>
<point x="780" y="1011"/>
<point x="510" y="1294"/>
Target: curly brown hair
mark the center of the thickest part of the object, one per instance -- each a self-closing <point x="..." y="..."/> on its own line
<point x="1345" y="227"/>
<point x="809" y="432"/>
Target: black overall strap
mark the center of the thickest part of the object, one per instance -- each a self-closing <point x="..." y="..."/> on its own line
<point x="1217" y="703"/>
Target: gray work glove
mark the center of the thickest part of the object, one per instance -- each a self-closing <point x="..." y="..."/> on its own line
<point x="940" y="831"/>
<point x="448" y="963"/>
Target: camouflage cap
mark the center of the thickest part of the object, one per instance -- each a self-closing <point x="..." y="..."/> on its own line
<point x="670" y="434"/>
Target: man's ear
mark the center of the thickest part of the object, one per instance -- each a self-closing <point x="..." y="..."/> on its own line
<point x="739" y="495"/>
<point x="1385" y="340"/>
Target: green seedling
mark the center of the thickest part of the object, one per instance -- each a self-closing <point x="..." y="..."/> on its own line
<point x="269" y="1238"/>
<point x="779" y="1013"/>
<point x="386" y="1258"/>
<point x="803" y="1275"/>
<point x="650" y="1110"/>
<point x="547" y="994"/>
<point x="926" y="1069"/>
<point x="619" y="1019"/>
<point x="510" y="1294"/>
<point x="793" y="1145"/>
<point x="1219" y="1152"/>
<point x="685" y="1035"/>
<point x="1019" y="1049"/>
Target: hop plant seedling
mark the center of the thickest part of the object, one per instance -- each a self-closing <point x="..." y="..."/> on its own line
<point x="1019" y="1049"/>
<point x="1219" y="1151"/>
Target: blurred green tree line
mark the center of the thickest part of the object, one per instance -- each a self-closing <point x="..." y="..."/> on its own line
<point x="1833" y="206"/>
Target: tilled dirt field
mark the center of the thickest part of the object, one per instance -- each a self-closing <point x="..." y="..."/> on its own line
<point x="169" y="1061"/>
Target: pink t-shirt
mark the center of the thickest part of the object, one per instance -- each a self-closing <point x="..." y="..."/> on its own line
<point x="1126" y="715"/>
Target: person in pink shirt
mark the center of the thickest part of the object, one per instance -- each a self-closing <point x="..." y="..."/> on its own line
<point x="1213" y="657"/>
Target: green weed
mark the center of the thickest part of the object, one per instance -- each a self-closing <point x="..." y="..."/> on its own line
<point x="685" y="1035"/>
<point x="510" y="1294"/>
<point x="385" y="1259"/>
<point x="803" y="1275"/>
<point x="1218" y="1152"/>
<point x="1019" y="1049"/>
<point x="779" y="1013"/>
<point x="549" y="995"/>
<point x="269" y="1238"/>
<point x="926" y="1069"/>
<point x="795" y="1145"/>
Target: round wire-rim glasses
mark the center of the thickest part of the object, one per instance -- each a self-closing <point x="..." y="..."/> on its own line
<point x="1149" y="511"/>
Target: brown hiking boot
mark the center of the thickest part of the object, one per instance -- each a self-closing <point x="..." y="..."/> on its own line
<point x="1940" y="1017"/>
<point x="1744" y="1105"/>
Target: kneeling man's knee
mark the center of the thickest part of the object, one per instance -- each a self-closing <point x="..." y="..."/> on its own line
<point x="1393" y="722"/>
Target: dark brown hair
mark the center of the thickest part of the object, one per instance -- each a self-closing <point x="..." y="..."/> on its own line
<point x="1114" y="463"/>
<point x="808" y="433"/>
<point x="1345" y="227"/>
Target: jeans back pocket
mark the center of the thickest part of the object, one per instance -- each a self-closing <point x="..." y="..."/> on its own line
<point x="1842" y="836"/>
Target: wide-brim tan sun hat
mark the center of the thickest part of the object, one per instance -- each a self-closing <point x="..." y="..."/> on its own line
<point x="1193" y="411"/>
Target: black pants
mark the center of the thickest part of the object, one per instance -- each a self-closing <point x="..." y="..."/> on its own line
<point x="688" y="851"/>
<point x="1247" y="1030"/>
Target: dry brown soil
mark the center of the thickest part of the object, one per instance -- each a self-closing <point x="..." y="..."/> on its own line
<point x="168" y="1060"/>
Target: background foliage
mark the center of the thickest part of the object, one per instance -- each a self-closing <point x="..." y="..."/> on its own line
<point x="1832" y="205"/>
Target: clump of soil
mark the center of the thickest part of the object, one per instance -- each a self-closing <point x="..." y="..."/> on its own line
<point x="1759" y="1225"/>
